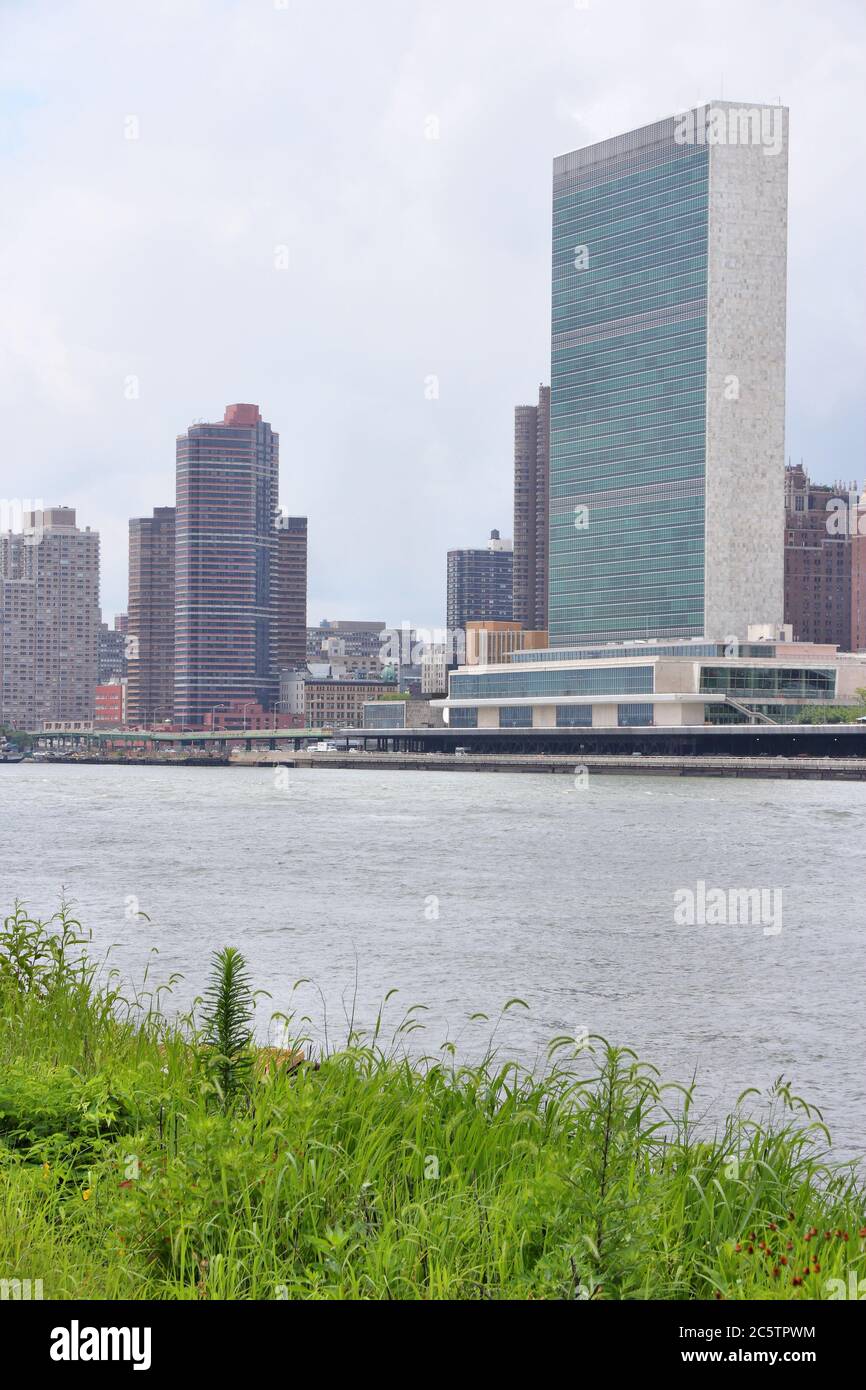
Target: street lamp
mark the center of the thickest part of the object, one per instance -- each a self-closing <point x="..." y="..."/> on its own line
<point x="213" y="711"/>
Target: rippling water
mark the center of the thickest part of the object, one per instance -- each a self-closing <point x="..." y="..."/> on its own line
<point x="560" y="894"/>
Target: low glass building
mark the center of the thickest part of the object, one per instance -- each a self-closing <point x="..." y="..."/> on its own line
<point x="643" y="684"/>
<point x="383" y="714"/>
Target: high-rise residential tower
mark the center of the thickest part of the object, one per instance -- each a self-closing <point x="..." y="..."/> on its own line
<point x="49" y="620"/>
<point x="668" y="379"/>
<point x="531" y="485"/>
<point x="291" y="593"/>
<point x="480" y="583"/>
<point x="225" y="564"/>
<point x="824" y="578"/>
<point x="150" y="624"/>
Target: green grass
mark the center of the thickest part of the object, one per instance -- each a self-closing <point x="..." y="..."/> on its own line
<point x="128" y="1170"/>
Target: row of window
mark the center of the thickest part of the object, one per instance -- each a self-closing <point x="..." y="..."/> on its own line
<point x="592" y="292"/>
<point x="611" y="284"/>
<point x="628" y="231"/>
<point x="585" y="483"/>
<point x="769" y="681"/>
<point x="654" y="343"/>
<point x="607" y="309"/>
<point x="680" y="617"/>
<point x="681" y="649"/>
<point x="687" y="423"/>
<point x="569" y="461"/>
<point x="640" y="572"/>
<point x="615" y="389"/>
<point x="616" y="535"/>
<point x="567" y="716"/>
<point x="671" y="234"/>
<point x="646" y="404"/>
<point x="575" y="681"/>
<point x="619" y="630"/>
<point x="687" y="166"/>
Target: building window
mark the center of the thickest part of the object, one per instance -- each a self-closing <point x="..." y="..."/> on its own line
<point x="463" y="718"/>
<point x="574" y="716"/>
<point x="585" y="680"/>
<point x="770" y="681"/>
<point x="634" y="715"/>
<point x="515" y="717"/>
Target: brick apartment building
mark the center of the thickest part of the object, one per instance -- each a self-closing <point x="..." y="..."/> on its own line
<point x="825" y="563"/>
<point x="331" y="704"/>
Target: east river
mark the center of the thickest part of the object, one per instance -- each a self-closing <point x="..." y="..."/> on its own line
<point x="464" y="890"/>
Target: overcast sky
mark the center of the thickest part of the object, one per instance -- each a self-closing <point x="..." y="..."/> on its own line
<point x="306" y="125"/>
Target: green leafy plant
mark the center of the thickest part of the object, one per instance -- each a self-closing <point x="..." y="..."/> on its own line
<point x="46" y="1108"/>
<point x="382" y="1174"/>
<point x="42" y="958"/>
<point x="227" y="1032"/>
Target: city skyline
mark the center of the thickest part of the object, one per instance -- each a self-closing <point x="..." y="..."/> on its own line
<point x="436" y="160"/>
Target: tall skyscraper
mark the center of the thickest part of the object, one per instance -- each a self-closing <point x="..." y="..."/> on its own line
<point x="225" y="564"/>
<point x="480" y="583"/>
<point x="291" y="593"/>
<point x="668" y="379"/>
<point x="531" y="520"/>
<point x="49" y="620"/>
<point x="150" y="623"/>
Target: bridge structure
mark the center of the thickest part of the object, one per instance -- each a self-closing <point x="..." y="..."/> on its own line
<point x="839" y="741"/>
<point x="717" y="740"/>
<point x="158" y="740"/>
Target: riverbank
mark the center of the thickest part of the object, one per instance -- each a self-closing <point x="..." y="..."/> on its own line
<point x="607" y="764"/>
<point x="129" y="1171"/>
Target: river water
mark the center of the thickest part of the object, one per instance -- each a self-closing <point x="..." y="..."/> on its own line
<point x="463" y="890"/>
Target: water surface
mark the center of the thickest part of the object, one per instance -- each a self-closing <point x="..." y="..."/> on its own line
<point x="465" y="889"/>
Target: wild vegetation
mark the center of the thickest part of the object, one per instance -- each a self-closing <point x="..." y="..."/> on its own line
<point x="146" y="1158"/>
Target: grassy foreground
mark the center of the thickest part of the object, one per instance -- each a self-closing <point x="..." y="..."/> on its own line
<point x="136" y="1161"/>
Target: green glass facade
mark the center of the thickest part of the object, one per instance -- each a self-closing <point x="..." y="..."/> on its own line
<point x="384" y="714"/>
<point x="628" y="390"/>
<point x="587" y="680"/>
<point x="780" y="681"/>
<point x="602" y="654"/>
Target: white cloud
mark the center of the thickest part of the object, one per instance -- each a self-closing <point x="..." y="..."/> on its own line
<point x="305" y="127"/>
